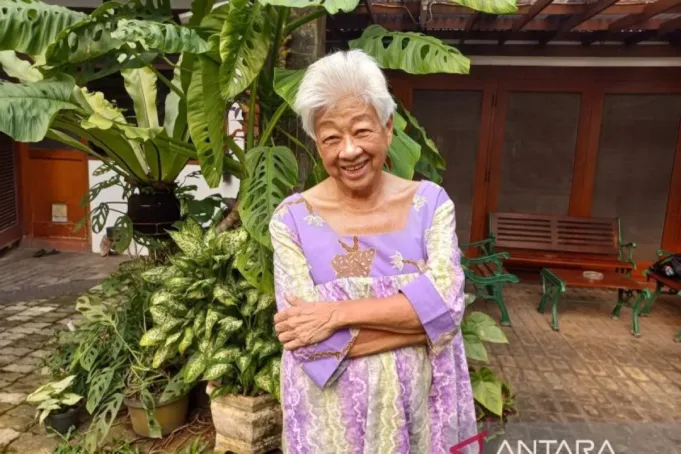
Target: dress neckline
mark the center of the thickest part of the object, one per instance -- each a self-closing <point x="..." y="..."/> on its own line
<point x="317" y="219"/>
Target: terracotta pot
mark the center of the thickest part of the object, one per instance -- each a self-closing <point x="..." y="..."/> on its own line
<point x="246" y="425"/>
<point x="170" y="415"/>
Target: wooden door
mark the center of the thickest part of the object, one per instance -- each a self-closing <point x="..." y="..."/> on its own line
<point x="10" y="219"/>
<point x="54" y="181"/>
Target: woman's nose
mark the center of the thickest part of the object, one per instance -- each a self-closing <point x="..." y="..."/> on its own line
<point x="350" y="149"/>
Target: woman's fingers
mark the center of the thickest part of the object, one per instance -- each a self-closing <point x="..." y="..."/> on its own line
<point x="286" y="336"/>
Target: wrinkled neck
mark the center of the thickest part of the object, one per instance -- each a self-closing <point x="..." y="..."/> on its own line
<point x="365" y="199"/>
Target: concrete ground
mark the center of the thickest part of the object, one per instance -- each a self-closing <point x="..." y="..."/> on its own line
<point x="591" y="381"/>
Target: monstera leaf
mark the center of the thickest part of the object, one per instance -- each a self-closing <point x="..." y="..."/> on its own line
<point x="489" y="6"/>
<point x="273" y="173"/>
<point x="29" y="26"/>
<point x="244" y="43"/>
<point x="332" y="6"/>
<point x="403" y="151"/>
<point x="286" y="83"/>
<point x="26" y="110"/>
<point x="18" y="68"/>
<point x="170" y="38"/>
<point x="411" y="52"/>
<point x="200" y="9"/>
<point x="205" y="115"/>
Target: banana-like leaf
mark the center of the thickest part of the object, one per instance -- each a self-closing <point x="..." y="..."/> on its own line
<point x="403" y="152"/>
<point x="29" y="26"/>
<point x="175" y="118"/>
<point x="489" y="6"/>
<point x="206" y="117"/>
<point x="168" y="38"/>
<point x="273" y="173"/>
<point x="414" y="53"/>
<point x="286" y="83"/>
<point x="18" y="68"/>
<point x="429" y="151"/>
<point x="332" y="6"/>
<point x="244" y="43"/>
<point x="27" y="110"/>
<point x="141" y="86"/>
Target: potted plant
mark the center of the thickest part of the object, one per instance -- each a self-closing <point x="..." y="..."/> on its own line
<point x="209" y="311"/>
<point x="58" y="408"/>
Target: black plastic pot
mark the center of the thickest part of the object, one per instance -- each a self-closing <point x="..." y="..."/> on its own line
<point x="62" y="422"/>
<point x="153" y="213"/>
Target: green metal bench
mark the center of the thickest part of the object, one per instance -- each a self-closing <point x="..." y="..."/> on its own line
<point x="663" y="284"/>
<point x="488" y="275"/>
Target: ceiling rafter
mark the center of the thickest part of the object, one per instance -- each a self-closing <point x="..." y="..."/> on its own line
<point x="471" y="22"/>
<point x="591" y="10"/>
<point x="665" y="27"/>
<point x="536" y="8"/>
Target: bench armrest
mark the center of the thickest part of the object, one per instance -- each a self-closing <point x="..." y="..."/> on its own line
<point x="489" y="280"/>
<point x="628" y="254"/>
<point x="486" y="246"/>
<point x="496" y="258"/>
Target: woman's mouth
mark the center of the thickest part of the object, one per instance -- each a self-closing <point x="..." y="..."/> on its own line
<point x="355" y="171"/>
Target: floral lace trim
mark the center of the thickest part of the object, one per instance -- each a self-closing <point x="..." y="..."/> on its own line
<point x="441" y="341"/>
<point x="339" y="355"/>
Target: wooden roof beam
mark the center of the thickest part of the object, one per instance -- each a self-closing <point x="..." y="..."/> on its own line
<point x="471" y="22"/>
<point x="536" y="8"/>
<point x="651" y="10"/>
<point x="591" y="10"/>
<point x="665" y="27"/>
<point x="372" y="13"/>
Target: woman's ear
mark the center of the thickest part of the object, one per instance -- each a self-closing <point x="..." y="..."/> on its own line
<point x="389" y="128"/>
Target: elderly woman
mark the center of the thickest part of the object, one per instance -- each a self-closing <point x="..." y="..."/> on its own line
<point x="369" y="288"/>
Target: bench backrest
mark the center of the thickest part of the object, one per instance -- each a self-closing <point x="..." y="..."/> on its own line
<point x="548" y="232"/>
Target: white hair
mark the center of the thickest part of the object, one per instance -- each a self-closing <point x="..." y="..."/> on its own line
<point x="342" y="74"/>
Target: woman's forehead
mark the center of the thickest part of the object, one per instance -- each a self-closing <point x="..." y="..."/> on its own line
<point x="346" y="111"/>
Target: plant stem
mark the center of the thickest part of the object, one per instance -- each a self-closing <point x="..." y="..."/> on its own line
<point x="304" y="20"/>
<point x="273" y="123"/>
<point x="236" y="149"/>
<point x="251" y="114"/>
<point x="297" y="142"/>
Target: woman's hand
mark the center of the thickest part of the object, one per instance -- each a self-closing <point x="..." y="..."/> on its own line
<point x="305" y="323"/>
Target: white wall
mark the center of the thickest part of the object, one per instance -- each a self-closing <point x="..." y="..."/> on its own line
<point x="115" y="194"/>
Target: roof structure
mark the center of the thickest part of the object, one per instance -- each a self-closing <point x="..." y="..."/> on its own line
<point x="592" y="27"/>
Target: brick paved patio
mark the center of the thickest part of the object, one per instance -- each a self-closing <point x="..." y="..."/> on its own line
<point x="591" y="376"/>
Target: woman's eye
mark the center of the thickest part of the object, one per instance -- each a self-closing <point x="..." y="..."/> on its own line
<point x="330" y="140"/>
<point x="362" y="132"/>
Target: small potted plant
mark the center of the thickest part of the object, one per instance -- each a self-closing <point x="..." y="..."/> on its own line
<point x="58" y="407"/>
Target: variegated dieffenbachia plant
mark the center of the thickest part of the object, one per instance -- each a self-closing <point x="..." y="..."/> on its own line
<point x="54" y="397"/>
<point x="214" y="307"/>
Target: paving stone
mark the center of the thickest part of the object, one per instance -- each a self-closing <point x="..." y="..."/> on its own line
<point x="39" y="354"/>
<point x="7" y="359"/>
<point x="12" y="398"/>
<point x="10" y="377"/>
<point x="5" y="407"/>
<point x="7" y="436"/>
<point x="34" y="444"/>
<point x="16" y="351"/>
<point x="20" y="418"/>
<point x="18" y="369"/>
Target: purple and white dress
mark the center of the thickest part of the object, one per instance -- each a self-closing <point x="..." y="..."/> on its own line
<point x="411" y="400"/>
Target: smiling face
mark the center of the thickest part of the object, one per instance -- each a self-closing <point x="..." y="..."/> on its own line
<point x="352" y="144"/>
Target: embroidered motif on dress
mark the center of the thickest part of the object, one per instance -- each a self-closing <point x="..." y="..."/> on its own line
<point x="398" y="262"/>
<point x="419" y="201"/>
<point x="356" y="263"/>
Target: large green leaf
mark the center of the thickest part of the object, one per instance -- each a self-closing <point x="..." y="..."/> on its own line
<point x="26" y="110"/>
<point x="18" y="68"/>
<point x="244" y="43"/>
<point x="487" y="390"/>
<point x="168" y="38"/>
<point x="332" y="6"/>
<point x="175" y="118"/>
<point x="484" y="327"/>
<point x="286" y="83"/>
<point x="200" y="8"/>
<point x="141" y="86"/>
<point x="254" y="262"/>
<point x="411" y="52"/>
<point x="489" y="6"/>
<point x="273" y="173"/>
<point x="206" y="117"/>
<point x="29" y="26"/>
<point x="431" y="161"/>
<point x="474" y="347"/>
<point x="403" y="151"/>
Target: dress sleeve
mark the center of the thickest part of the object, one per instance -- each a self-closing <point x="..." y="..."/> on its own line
<point x="321" y="361"/>
<point x="438" y="294"/>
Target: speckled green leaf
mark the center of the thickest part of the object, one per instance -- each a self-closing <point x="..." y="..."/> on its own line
<point x="190" y="245"/>
<point x="178" y="283"/>
<point x="157" y="275"/>
<point x="226" y="355"/>
<point x="212" y="316"/>
<point x="265" y="302"/>
<point x="160" y="297"/>
<point x="215" y="371"/>
<point x="194" y="367"/>
<point x="161" y="316"/>
<point x="199" y="322"/>
<point x="231" y="241"/>
<point x="173" y="338"/>
<point x="187" y="339"/>
<point x="264" y="380"/>
<point x="230" y="324"/>
<point x="223" y="294"/>
<point x="254" y="262"/>
<point x="192" y="228"/>
<point x="152" y="337"/>
<point x="243" y="362"/>
<point x="162" y="354"/>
